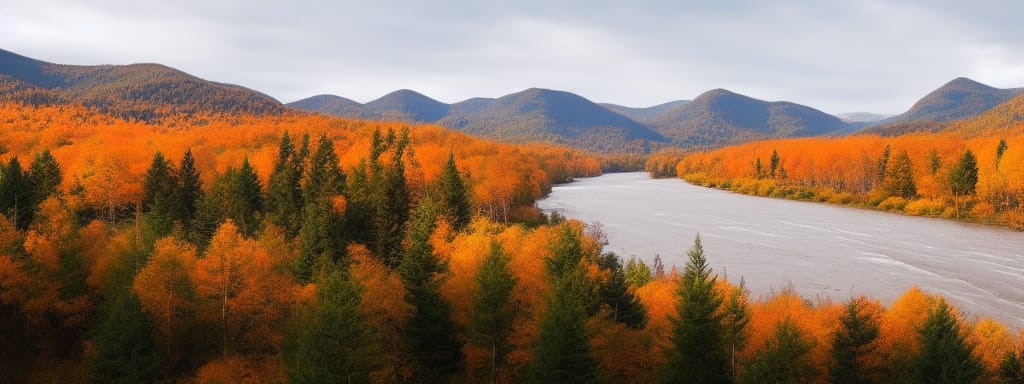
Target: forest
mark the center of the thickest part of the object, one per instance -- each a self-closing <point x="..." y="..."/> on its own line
<point x="979" y="179"/>
<point x="309" y="249"/>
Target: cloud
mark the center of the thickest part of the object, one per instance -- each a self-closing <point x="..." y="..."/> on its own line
<point x="838" y="56"/>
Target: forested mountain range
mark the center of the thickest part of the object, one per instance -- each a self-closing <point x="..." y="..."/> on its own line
<point x="959" y="99"/>
<point x="135" y="91"/>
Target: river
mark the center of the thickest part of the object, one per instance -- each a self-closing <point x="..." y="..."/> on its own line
<point x="818" y="249"/>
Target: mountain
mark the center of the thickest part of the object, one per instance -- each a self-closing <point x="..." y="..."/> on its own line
<point x="644" y="115"/>
<point x="136" y="91"/>
<point x="329" y="104"/>
<point x="720" y="117"/>
<point x="1004" y="119"/>
<point x="552" y="116"/>
<point x="406" y="105"/>
<point x="959" y="99"/>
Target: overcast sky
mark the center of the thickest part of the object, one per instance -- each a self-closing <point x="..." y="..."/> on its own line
<point x="838" y="56"/>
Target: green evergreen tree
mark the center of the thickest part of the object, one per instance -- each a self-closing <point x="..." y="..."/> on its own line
<point x="934" y="161"/>
<point x="323" y="228"/>
<point x="566" y="253"/>
<point x="388" y="222"/>
<point x="638" y="274"/>
<point x="453" y="196"/>
<point x="430" y="334"/>
<point x="122" y="340"/>
<point x="493" y="308"/>
<point x="284" y="191"/>
<point x="698" y="352"/>
<point x="247" y="204"/>
<point x="785" y="358"/>
<point x="946" y="356"/>
<point x="562" y="354"/>
<point x="124" y="350"/>
<point x="1011" y="368"/>
<point x="45" y="176"/>
<point x="158" y="197"/>
<point x="758" y="169"/>
<point x="963" y="178"/>
<point x="614" y="292"/>
<point x="900" y="180"/>
<point x="189" y="192"/>
<point x="736" y="319"/>
<point x="235" y="195"/>
<point x="852" y="342"/>
<point x="331" y="342"/>
<point x="775" y="162"/>
<point x="883" y="165"/>
<point x="16" y="194"/>
<point x="1000" y="150"/>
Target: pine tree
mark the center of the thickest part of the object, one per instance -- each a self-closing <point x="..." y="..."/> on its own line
<point x="852" y="342"/>
<point x="158" y="197"/>
<point x="453" y="196"/>
<point x="323" y="230"/>
<point x="332" y="343"/>
<point x="16" y="194"/>
<point x="562" y="354"/>
<point x="614" y="292"/>
<point x="775" y="162"/>
<point x="882" y="168"/>
<point x="963" y="178"/>
<point x="430" y="334"/>
<point x="122" y="341"/>
<point x="1000" y="150"/>
<point x="493" y="307"/>
<point x="736" y="319"/>
<point x="566" y="253"/>
<point x="934" y="161"/>
<point x="785" y="358"/>
<point x="248" y="201"/>
<point x="945" y="356"/>
<point x="1011" y="368"/>
<point x="284" y="191"/>
<point x="698" y="352"/>
<point x="189" y="192"/>
<point x="45" y="176"/>
<point x="392" y="209"/>
<point x="638" y="274"/>
<point x="900" y="179"/>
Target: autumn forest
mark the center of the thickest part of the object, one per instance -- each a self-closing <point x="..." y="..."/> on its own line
<point x="229" y="239"/>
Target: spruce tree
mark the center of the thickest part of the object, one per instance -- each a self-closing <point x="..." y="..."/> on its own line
<point x="124" y="351"/>
<point x="614" y="292"/>
<point x="785" y="359"/>
<point x="322" y="230"/>
<point x="189" y="192"/>
<point x="453" y="196"/>
<point x="698" y="352"/>
<point x="331" y="342"/>
<point x="637" y="272"/>
<point x="248" y="199"/>
<point x="16" y="194"/>
<point x="284" y="191"/>
<point x="566" y="253"/>
<point x="1000" y="150"/>
<point x="430" y="334"/>
<point x="900" y="179"/>
<point x="775" y="162"/>
<point x="945" y="356"/>
<point x="1011" y="368"/>
<point x="736" y="320"/>
<point x="882" y="169"/>
<point x="562" y="354"/>
<point x="852" y="343"/>
<point x="963" y="178"/>
<point x="158" y="196"/>
<point x="45" y="176"/>
<point x="493" y="308"/>
<point x="393" y="202"/>
<point x="934" y="161"/>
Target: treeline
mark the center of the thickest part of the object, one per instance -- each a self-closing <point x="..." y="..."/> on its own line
<point x="979" y="179"/>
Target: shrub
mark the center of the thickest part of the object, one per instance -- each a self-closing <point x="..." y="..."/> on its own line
<point x="893" y="204"/>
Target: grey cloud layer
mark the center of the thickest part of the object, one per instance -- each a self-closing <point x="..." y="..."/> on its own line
<point x="839" y="56"/>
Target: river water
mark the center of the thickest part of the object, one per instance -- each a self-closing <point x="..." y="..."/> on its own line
<point x="820" y="250"/>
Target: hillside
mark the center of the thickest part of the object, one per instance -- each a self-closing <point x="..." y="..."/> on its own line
<point x="1004" y="119"/>
<point x="720" y="117"/>
<point x="959" y="99"/>
<point x="136" y="91"/>
<point x="331" y="105"/>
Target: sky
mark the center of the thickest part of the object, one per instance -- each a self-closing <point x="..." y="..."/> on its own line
<point x="838" y="56"/>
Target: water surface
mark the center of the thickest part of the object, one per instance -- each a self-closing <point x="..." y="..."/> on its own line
<point x="820" y="250"/>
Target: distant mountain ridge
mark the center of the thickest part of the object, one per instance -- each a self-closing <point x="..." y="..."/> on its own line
<point x="718" y="117"/>
<point x="959" y="99"/>
<point x="138" y="91"/>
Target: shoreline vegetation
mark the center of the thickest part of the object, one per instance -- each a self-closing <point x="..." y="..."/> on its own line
<point x="979" y="180"/>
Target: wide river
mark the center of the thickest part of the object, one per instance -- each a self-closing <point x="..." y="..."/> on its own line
<point x="820" y="250"/>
